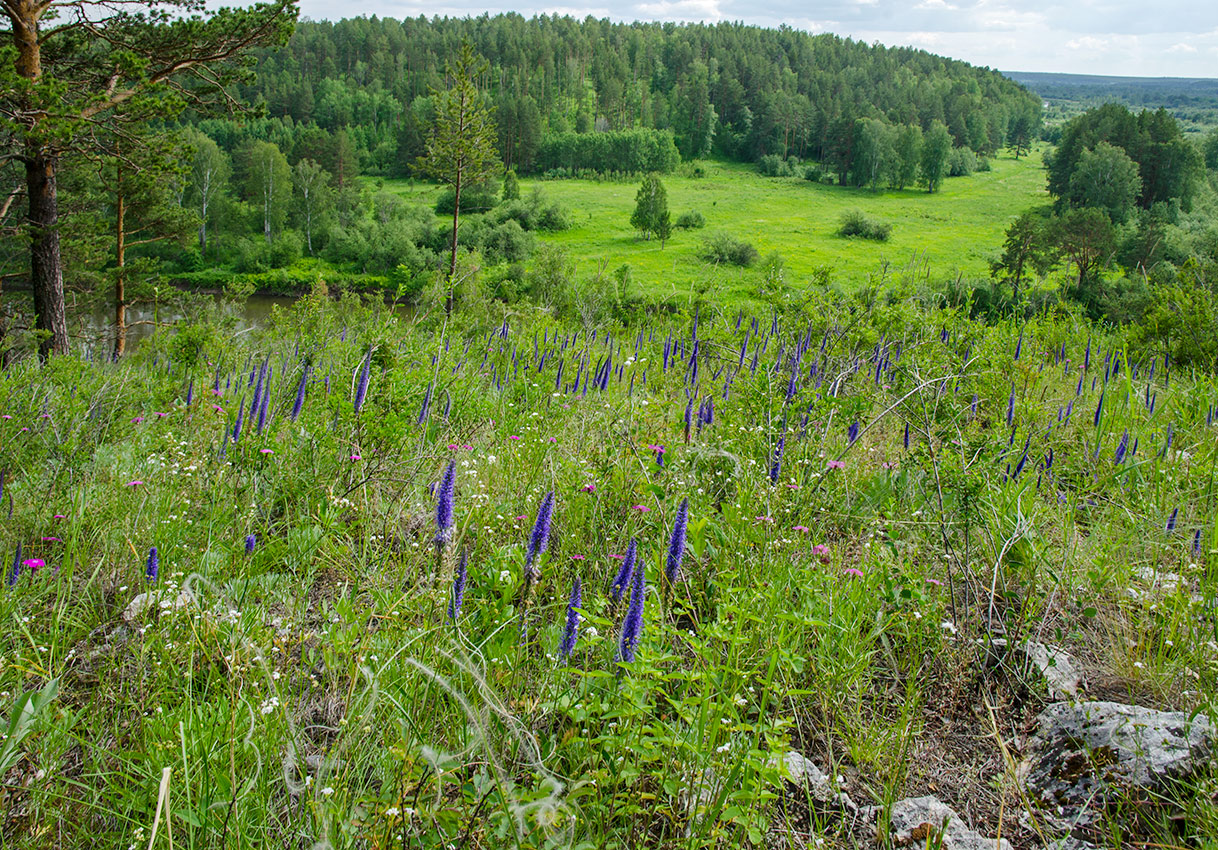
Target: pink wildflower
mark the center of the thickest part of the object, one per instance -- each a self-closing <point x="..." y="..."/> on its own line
<point x="135" y="483"/>
<point x="837" y="464"/>
<point x="851" y="571"/>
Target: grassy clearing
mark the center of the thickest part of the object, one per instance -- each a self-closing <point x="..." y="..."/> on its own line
<point x="954" y="231"/>
<point x="836" y="597"/>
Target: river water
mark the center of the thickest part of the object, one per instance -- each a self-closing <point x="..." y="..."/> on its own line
<point x="92" y="327"/>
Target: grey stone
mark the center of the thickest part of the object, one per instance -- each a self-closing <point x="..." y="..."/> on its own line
<point x="1057" y="667"/>
<point x="814" y="785"/>
<point x="917" y="820"/>
<point x="1082" y="753"/>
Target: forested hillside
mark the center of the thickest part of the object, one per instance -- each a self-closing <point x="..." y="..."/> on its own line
<point x="735" y="90"/>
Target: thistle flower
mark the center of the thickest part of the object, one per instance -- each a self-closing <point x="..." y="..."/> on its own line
<point x="301" y="388"/>
<point x="444" y="505"/>
<point x="632" y="623"/>
<point x="361" y="387"/>
<point x="570" y="632"/>
<point x="625" y="574"/>
<point x="540" y="537"/>
<point x="154" y="564"/>
<point x="250" y="543"/>
<point x="458" y="592"/>
<point x="676" y="543"/>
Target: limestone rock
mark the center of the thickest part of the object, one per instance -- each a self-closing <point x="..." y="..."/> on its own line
<point x="916" y="820"/>
<point x="162" y="599"/>
<point x="1057" y="667"/>
<point x="1082" y="753"/>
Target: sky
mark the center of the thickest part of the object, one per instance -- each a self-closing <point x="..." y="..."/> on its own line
<point x="1144" y="38"/>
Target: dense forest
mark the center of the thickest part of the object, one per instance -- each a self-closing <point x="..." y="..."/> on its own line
<point x="734" y="90"/>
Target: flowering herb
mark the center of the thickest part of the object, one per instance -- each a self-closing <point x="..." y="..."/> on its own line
<point x="250" y="543"/>
<point x="624" y="573"/>
<point x="676" y="543"/>
<point x="458" y="590"/>
<point x="540" y="538"/>
<point x="152" y="566"/>
<point x="632" y="623"/>
<point x="361" y="386"/>
<point x="570" y="632"/>
<point x="444" y="505"/>
<point x="15" y="571"/>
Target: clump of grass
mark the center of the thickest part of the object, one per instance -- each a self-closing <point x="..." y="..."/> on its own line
<point x="855" y="223"/>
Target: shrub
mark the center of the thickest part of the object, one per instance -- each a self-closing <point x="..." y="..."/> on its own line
<point x="815" y="174"/>
<point x="855" y="223"/>
<point x="692" y="220"/>
<point x="773" y="165"/>
<point x="961" y="162"/>
<point x="724" y="249"/>
<point x="474" y="199"/>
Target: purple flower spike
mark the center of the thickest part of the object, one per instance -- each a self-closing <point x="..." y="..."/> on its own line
<point x="1171" y="520"/>
<point x="632" y="624"/>
<point x="853" y="433"/>
<point x="676" y="544"/>
<point x="458" y="594"/>
<point x="250" y="543"/>
<point x="15" y="572"/>
<point x="625" y="573"/>
<point x="570" y="632"/>
<point x="298" y="405"/>
<point x="444" y="505"/>
<point x="776" y="463"/>
<point x="154" y="564"/>
<point x="540" y="538"/>
<point x="361" y="388"/>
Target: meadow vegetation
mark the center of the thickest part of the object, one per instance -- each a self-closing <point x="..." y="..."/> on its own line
<point x="301" y="586"/>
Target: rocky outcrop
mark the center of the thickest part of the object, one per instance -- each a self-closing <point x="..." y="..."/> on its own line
<point x="1081" y="756"/>
<point x="929" y="822"/>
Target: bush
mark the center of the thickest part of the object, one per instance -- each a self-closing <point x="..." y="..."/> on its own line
<point x="724" y="249"/>
<point x="961" y="162"/>
<point x="855" y="223"/>
<point x="773" y="165"/>
<point x="815" y="174"/>
<point x="533" y="213"/>
<point x="474" y="199"/>
<point x="692" y="220"/>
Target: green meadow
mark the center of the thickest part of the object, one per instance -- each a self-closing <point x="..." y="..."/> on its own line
<point x="955" y="231"/>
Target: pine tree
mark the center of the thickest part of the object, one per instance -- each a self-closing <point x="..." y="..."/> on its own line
<point x="462" y="149"/>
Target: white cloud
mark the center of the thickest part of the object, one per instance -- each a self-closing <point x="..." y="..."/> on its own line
<point x="936" y="6"/>
<point x="681" y="10"/>
<point x="1087" y="42"/>
<point x="1181" y="47"/>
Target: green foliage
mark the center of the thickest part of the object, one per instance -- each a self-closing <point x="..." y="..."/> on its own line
<point x="691" y="220"/>
<point x="476" y="198"/>
<point x="511" y="186"/>
<point x="855" y="223"/>
<point x="724" y="249"/>
<point x="1169" y="166"/>
<point x="936" y="151"/>
<point x="1107" y="179"/>
<point x="773" y="165"/>
<point x="651" y="216"/>
<point x="961" y="162"/>
<point x="627" y="152"/>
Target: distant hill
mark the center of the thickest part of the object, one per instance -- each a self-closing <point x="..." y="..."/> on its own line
<point x="1193" y="100"/>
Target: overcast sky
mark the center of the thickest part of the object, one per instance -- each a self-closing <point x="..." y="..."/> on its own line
<point x="1154" y="38"/>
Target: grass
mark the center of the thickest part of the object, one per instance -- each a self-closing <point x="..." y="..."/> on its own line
<point x="313" y="692"/>
<point x="955" y="231"/>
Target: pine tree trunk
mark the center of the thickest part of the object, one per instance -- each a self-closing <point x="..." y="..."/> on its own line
<point x="120" y="273"/>
<point x="46" y="270"/>
<point x="452" y="263"/>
